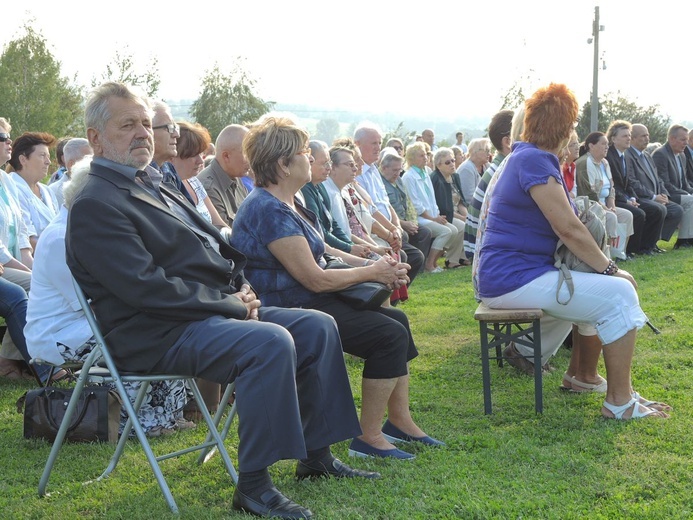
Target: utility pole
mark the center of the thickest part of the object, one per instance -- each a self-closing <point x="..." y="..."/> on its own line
<point x="596" y="29"/>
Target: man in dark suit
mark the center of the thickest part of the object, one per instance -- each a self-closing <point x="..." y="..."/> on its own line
<point x="671" y="168"/>
<point x="170" y="295"/>
<point x="647" y="184"/>
<point x="647" y="220"/>
<point x="688" y="152"/>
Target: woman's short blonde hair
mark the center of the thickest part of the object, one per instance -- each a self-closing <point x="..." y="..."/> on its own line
<point x="417" y="146"/>
<point x="550" y="116"/>
<point x="270" y="140"/>
<point x="480" y="143"/>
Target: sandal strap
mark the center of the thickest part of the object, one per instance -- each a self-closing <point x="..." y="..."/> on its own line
<point x="618" y="411"/>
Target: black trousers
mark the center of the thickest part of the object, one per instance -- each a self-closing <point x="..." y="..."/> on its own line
<point x="422" y="241"/>
<point x="381" y="337"/>
<point x="635" y="242"/>
<point x="655" y="214"/>
<point x="414" y="257"/>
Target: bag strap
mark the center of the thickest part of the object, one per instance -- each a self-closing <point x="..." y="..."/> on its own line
<point x="77" y="420"/>
<point x="564" y="275"/>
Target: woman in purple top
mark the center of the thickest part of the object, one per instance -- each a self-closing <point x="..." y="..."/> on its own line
<point x="530" y="210"/>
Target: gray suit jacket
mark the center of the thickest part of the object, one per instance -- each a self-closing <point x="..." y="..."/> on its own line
<point x="148" y="273"/>
<point x="226" y="193"/>
<point x="649" y="184"/>
<point x="668" y="171"/>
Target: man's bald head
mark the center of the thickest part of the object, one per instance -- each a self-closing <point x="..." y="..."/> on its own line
<point x="229" y="151"/>
<point x="640" y="137"/>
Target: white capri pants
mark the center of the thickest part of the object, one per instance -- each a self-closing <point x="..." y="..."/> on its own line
<point x="446" y="236"/>
<point x="604" y="305"/>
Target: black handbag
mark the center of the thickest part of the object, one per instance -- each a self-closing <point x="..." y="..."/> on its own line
<point x="362" y="296"/>
<point x="96" y="418"/>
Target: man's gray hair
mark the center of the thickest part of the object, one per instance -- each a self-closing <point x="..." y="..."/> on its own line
<point x="73" y="149"/>
<point x="364" y="128"/>
<point x="316" y="145"/>
<point x="96" y="113"/>
<point x="159" y="105"/>
<point x="80" y="175"/>
<point x="388" y="156"/>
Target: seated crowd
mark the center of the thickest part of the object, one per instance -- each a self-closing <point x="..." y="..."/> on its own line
<point x="171" y="243"/>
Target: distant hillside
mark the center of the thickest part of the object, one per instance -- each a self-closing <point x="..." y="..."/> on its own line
<point x="444" y="128"/>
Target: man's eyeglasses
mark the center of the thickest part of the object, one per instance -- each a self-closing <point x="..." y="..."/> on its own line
<point x="4" y="137"/>
<point x="171" y="128"/>
<point x="327" y="165"/>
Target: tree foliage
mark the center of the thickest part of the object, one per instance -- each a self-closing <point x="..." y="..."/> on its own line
<point x="122" y="68"/>
<point x="515" y="96"/>
<point x="227" y="99"/>
<point x="406" y="136"/>
<point x="613" y="106"/>
<point x="327" y="130"/>
<point x="35" y="96"/>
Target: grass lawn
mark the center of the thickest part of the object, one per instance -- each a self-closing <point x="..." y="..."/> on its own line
<point x="567" y="463"/>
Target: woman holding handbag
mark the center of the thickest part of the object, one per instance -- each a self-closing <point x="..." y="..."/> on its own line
<point x="286" y="267"/>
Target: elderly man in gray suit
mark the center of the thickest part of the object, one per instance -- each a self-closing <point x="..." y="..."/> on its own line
<point x="647" y="184"/>
<point x="222" y="178"/>
<point x="170" y="295"/>
<point x="671" y="168"/>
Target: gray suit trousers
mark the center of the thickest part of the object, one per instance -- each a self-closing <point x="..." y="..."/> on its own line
<point x="292" y="388"/>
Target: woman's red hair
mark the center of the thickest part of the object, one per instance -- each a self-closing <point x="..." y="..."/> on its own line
<point x="549" y="117"/>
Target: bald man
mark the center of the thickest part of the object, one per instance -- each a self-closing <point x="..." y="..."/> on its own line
<point x="429" y="137"/>
<point x="222" y="178"/>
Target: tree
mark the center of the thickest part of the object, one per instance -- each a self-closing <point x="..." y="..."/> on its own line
<point x="406" y="136"/>
<point x="227" y="99"/>
<point x="327" y="130"/>
<point x="35" y="96"/>
<point x="517" y="93"/>
<point x="122" y="68"/>
<point x="615" y="106"/>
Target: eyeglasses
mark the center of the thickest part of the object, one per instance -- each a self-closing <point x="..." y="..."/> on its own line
<point x="4" y="137"/>
<point x="398" y="148"/>
<point x="171" y="128"/>
<point x="351" y="164"/>
<point x="449" y="162"/>
<point x="327" y="165"/>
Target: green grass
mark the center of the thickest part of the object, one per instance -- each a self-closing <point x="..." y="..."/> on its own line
<point x="566" y="464"/>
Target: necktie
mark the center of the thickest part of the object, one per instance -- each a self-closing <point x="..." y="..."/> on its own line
<point x="681" y="174"/>
<point x="143" y="178"/>
<point x="623" y="165"/>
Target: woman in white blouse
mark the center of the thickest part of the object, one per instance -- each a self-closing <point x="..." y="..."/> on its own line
<point x="16" y="254"/>
<point x="30" y="160"/>
<point x="420" y="189"/>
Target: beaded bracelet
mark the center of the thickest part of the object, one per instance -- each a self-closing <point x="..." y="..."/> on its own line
<point x="611" y="269"/>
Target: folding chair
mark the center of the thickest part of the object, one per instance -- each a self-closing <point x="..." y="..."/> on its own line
<point x="90" y="373"/>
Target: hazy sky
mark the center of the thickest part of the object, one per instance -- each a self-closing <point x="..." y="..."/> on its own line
<point x="442" y="58"/>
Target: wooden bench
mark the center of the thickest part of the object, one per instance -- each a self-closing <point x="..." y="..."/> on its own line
<point x="498" y="328"/>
